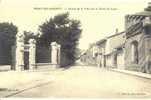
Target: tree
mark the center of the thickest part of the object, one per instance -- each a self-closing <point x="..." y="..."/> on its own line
<point x="64" y="31"/>
<point x="148" y="8"/>
<point x="8" y="33"/>
<point x="29" y="35"/>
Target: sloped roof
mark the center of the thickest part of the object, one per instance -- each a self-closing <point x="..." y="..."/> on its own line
<point x="114" y="42"/>
<point x="143" y="13"/>
<point x="146" y="12"/>
<point x="115" y="34"/>
<point x="100" y="41"/>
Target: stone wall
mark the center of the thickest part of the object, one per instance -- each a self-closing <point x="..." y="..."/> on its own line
<point x="5" y="53"/>
<point x="64" y="60"/>
<point x="109" y="60"/>
<point x="128" y="53"/>
<point x="144" y="48"/>
<point x="121" y="60"/>
<point x="13" y="57"/>
<point x="145" y="56"/>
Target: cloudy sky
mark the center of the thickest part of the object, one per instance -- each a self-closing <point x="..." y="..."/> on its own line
<point x="96" y="24"/>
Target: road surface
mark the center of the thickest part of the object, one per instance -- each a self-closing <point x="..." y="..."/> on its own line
<point x="82" y="81"/>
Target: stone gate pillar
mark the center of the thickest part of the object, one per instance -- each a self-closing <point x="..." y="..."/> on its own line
<point x="19" y="59"/>
<point x="59" y="54"/>
<point x="55" y="54"/>
<point x="32" y="54"/>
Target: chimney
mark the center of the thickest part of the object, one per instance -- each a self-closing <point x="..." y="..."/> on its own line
<point x="149" y="4"/>
<point x="116" y="31"/>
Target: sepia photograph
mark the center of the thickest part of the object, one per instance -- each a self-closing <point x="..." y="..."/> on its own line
<point x="91" y="49"/>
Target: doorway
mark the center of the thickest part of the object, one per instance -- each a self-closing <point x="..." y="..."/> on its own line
<point x="26" y="60"/>
<point x="115" y="60"/>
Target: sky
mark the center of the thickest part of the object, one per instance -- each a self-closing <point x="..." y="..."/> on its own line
<point x="96" y="24"/>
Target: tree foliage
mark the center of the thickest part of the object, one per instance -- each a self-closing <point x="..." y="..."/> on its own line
<point x="29" y="35"/>
<point x="64" y="31"/>
<point x="8" y="33"/>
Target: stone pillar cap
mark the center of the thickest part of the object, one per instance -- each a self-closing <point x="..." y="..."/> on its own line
<point x="32" y="41"/>
<point x="54" y="44"/>
<point x="20" y="35"/>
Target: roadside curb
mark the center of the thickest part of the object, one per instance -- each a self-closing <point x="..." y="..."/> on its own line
<point x="138" y="74"/>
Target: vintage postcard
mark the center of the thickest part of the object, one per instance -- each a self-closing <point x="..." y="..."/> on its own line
<point x="75" y="49"/>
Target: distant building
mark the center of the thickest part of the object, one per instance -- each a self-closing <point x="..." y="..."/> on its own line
<point x="131" y="49"/>
<point x="101" y="62"/>
<point x="108" y="52"/>
<point x="90" y="56"/>
<point x="114" y="50"/>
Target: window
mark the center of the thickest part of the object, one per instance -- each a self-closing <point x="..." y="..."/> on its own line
<point x="147" y="30"/>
